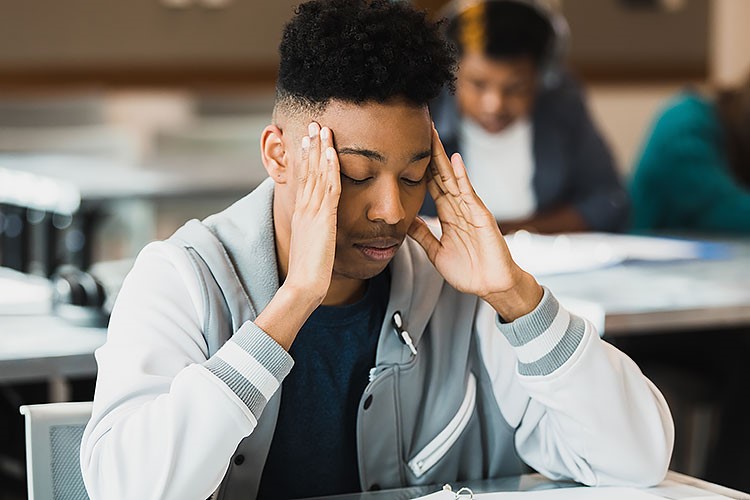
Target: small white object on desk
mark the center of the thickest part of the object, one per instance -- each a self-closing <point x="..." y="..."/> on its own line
<point x="574" y="493"/>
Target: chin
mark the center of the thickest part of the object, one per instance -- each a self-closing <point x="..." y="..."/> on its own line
<point x="360" y="270"/>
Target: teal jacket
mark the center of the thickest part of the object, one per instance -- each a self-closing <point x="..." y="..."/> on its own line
<point x="683" y="180"/>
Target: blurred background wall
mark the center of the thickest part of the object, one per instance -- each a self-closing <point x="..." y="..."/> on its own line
<point x="198" y="75"/>
<point x="146" y="53"/>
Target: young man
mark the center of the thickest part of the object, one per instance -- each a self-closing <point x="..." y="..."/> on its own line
<point x="317" y="338"/>
<point x="520" y="122"/>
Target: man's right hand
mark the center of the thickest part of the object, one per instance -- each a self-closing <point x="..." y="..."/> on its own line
<point x="313" y="240"/>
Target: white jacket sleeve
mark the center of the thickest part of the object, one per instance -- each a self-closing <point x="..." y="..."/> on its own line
<point x="166" y="419"/>
<point x="582" y="409"/>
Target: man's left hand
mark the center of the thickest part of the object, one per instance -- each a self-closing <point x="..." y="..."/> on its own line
<point x="471" y="253"/>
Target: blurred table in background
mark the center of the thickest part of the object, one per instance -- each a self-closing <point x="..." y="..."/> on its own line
<point x="45" y="347"/>
<point x="36" y="345"/>
<point x="629" y="285"/>
<point x="109" y="187"/>
<point x="127" y="160"/>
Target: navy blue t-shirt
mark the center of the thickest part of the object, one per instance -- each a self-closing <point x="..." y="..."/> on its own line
<point x="314" y="447"/>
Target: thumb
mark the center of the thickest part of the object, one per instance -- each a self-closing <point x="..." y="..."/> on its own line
<point x="420" y="232"/>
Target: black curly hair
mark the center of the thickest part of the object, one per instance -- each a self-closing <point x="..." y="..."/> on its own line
<point x="360" y="51"/>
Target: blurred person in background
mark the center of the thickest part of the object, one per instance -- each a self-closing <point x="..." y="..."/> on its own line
<point x="694" y="171"/>
<point x="520" y="120"/>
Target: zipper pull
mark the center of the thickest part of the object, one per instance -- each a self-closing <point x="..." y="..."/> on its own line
<point x="403" y="335"/>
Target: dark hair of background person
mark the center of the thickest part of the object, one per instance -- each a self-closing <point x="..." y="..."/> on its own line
<point x="734" y="113"/>
<point x="502" y="30"/>
<point x="359" y="51"/>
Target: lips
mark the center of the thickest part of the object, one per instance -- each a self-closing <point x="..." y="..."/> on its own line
<point x="379" y="249"/>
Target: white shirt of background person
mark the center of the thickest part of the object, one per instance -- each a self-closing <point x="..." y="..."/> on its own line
<point x="501" y="167"/>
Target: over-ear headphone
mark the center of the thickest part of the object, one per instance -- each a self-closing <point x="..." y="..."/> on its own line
<point x="78" y="297"/>
<point x="550" y="66"/>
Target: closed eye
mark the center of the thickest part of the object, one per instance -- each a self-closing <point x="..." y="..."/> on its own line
<point x="354" y="181"/>
<point x="412" y="182"/>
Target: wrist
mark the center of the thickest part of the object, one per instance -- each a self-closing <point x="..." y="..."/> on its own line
<point x="519" y="299"/>
<point x="304" y="298"/>
<point x="288" y="310"/>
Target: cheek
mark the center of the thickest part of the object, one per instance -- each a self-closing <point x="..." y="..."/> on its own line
<point x="351" y="207"/>
<point x="523" y="105"/>
<point x="412" y="199"/>
<point x="468" y="101"/>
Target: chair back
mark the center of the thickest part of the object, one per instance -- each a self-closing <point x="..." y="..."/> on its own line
<point x="53" y="442"/>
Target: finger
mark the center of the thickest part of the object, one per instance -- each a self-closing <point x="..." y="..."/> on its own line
<point x="434" y="172"/>
<point x="462" y="179"/>
<point x="303" y="167"/>
<point x="334" y="177"/>
<point x="472" y="204"/>
<point x="442" y="169"/>
<point x="434" y="190"/>
<point x="325" y="143"/>
<point x="420" y="232"/>
<point x="447" y="209"/>
<point x="313" y="131"/>
<point x="331" y="159"/>
<point x="447" y="205"/>
<point x="331" y="169"/>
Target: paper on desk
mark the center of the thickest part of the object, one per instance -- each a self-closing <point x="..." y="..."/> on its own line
<point x="23" y="294"/>
<point x="565" y="253"/>
<point x="672" y="489"/>
<point x="579" y="493"/>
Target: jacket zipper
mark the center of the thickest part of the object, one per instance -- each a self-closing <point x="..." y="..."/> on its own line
<point x="439" y="446"/>
<point x="403" y="335"/>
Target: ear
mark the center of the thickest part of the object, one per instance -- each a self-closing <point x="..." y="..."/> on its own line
<point x="273" y="153"/>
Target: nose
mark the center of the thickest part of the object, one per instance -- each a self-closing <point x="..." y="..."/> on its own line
<point x="493" y="101"/>
<point x="385" y="205"/>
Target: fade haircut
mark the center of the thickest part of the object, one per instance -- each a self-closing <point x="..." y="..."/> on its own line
<point x="359" y="51"/>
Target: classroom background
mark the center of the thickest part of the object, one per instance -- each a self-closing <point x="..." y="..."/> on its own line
<point x="119" y="121"/>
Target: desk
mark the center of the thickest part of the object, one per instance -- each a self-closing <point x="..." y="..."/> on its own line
<point x="34" y="347"/>
<point x="675" y="486"/>
<point x="637" y="297"/>
<point x="645" y="297"/>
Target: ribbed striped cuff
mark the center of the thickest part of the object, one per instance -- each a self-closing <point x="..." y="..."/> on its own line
<point x="252" y="364"/>
<point x="545" y="338"/>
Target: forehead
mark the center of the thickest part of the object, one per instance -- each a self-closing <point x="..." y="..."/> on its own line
<point x="392" y="128"/>
<point x="475" y="63"/>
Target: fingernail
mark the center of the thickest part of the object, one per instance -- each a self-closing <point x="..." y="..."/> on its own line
<point x="305" y="142"/>
<point x="329" y="153"/>
<point x="312" y="129"/>
<point x="324" y="133"/>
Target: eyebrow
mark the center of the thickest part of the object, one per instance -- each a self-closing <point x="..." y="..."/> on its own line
<point x="374" y="155"/>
